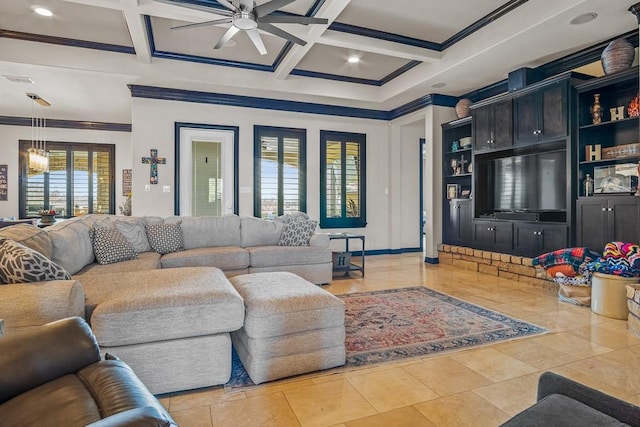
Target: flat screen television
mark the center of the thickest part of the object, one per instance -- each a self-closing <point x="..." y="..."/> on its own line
<point x="532" y="182"/>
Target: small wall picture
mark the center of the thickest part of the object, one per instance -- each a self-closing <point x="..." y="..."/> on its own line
<point x="452" y="191"/>
<point x="621" y="178"/>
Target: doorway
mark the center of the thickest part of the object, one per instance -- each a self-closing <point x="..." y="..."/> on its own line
<point x="206" y="170"/>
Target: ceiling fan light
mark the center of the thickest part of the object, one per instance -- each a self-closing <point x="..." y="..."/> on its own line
<point x="244" y="21"/>
<point x="42" y="11"/>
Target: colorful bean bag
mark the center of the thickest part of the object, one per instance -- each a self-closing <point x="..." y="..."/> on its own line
<point x="619" y="258"/>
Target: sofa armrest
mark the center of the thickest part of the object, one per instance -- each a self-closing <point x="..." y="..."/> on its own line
<point x="34" y="357"/>
<point x="25" y="305"/>
<point x="319" y="240"/>
<point x="147" y="416"/>
<point x="550" y="383"/>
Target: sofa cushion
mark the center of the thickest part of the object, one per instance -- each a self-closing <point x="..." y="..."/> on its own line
<point x="72" y="247"/>
<point x="165" y="238"/>
<point x="146" y="306"/>
<point x="259" y="232"/>
<point x="32" y="237"/>
<point x="269" y="256"/>
<point x="297" y="232"/>
<point x="225" y="258"/>
<point x="208" y="231"/>
<point x="133" y="230"/>
<point x="20" y="264"/>
<point x="110" y="246"/>
<point x="144" y="261"/>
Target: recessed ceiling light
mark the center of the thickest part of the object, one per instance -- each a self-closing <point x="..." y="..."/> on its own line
<point x="353" y="59"/>
<point x="584" y="18"/>
<point x="230" y="43"/>
<point x="438" y="85"/>
<point x="42" y="11"/>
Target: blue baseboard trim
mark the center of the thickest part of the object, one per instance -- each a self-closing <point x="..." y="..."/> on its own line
<point x="428" y="260"/>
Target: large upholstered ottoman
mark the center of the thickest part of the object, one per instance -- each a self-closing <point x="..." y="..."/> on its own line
<point x="170" y="325"/>
<point x="291" y="326"/>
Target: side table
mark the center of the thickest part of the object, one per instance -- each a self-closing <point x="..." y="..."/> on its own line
<point x="351" y="266"/>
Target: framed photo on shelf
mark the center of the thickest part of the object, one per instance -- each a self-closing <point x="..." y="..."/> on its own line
<point x="452" y="191"/>
<point x="622" y="178"/>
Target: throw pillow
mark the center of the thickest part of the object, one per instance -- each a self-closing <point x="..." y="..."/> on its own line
<point x="165" y="238"/>
<point x="19" y="264"/>
<point x="109" y="246"/>
<point x="135" y="234"/>
<point x="297" y="232"/>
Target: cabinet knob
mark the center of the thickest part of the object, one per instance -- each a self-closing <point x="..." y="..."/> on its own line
<point x="604" y="209"/>
<point x="610" y="209"/>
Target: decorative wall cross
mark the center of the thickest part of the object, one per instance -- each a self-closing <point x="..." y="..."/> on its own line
<point x="153" y="161"/>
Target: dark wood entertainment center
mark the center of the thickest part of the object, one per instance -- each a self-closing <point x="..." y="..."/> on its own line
<point x="539" y="134"/>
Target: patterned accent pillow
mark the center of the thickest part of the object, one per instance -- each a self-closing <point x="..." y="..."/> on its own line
<point x="135" y="234"/>
<point x="297" y="232"/>
<point x="165" y="238"/>
<point x="19" y="264"/>
<point x="109" y="246"/>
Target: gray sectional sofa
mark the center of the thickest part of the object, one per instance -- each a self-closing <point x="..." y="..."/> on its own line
<point x="168" y="315"/>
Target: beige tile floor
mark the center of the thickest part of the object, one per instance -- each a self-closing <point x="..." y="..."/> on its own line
<point x="476" y="387"/>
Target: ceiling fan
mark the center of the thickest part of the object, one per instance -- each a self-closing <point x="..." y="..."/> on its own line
<point x="245" y="15"/>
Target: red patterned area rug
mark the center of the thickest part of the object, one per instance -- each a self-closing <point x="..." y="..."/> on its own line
<point x="394" y="324"/>
<point x="397" y="323"/>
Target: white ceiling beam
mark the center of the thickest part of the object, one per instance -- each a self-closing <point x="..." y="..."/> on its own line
<point x="136" y="26"/>
<point x="381" y="47"/>
<point x="329" y="10"/>
<point x="107" y="4"/>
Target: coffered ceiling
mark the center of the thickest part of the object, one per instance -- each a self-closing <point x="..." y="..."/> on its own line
<point x="82" y="58"/>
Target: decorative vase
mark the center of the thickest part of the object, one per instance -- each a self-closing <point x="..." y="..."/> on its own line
<point x="462" y="108"/>
<point x="617" y="56"/>
<point x="47" y="219"/>
<point x="596" y="109"/>
<point x="588" y="186"/>
<point x="634" y="107"/>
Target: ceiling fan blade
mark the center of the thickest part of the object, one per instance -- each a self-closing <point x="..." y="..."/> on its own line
<point x="226" y="37"/>
<point x="280" y="33"/>
<point x="228" y="5"/>
<point x="247" y="5"/>
<point x="292" y="19"/>
<point x="203" y="24"/>
<point x="266" y="8"/>
<point x="254" y="35"/>
<point x="193" y="6"/>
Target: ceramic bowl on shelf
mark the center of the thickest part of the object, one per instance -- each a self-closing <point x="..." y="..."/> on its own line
<point x="465" y="142"/>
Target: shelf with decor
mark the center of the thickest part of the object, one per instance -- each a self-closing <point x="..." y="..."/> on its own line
<point x="608" y="146"/>
<point x="457" y="173"/>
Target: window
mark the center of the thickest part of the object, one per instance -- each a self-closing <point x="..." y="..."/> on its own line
<point x="280" y="171"/>
<point x="80" y="180"/>
<point x="342" y="180"/>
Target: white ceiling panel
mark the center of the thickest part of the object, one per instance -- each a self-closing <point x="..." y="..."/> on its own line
<point x="70" y="20"/>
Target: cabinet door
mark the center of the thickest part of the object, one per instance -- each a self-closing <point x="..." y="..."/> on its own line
<point x="502" y="237"/>
<point x="526" y="110"/>
<point x="465" y="216"/>
<point x="554" y="112"/>
<point x="482" y="234"/>
<point x="502" y="124"/>
<point x="483" y="128"/>
<point x="552" y="237"/>
<point x="591" y="227"/>
<point x="624" y="219"/>
<point x="526" y="240"/>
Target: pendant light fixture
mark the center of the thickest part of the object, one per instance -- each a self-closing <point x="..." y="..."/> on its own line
<point x="38" y="155"/>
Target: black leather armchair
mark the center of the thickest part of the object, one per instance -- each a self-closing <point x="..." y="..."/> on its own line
<point x="53" y="375"/>
<point x="564" y="402"/>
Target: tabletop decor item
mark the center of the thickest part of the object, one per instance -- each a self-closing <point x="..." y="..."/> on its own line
<point x="47" y="216"/>
<point x="596" y="109"/>
<point x="462" y="108"/>
<point x="617" y="56"/>
<point x="634" y="107"/>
